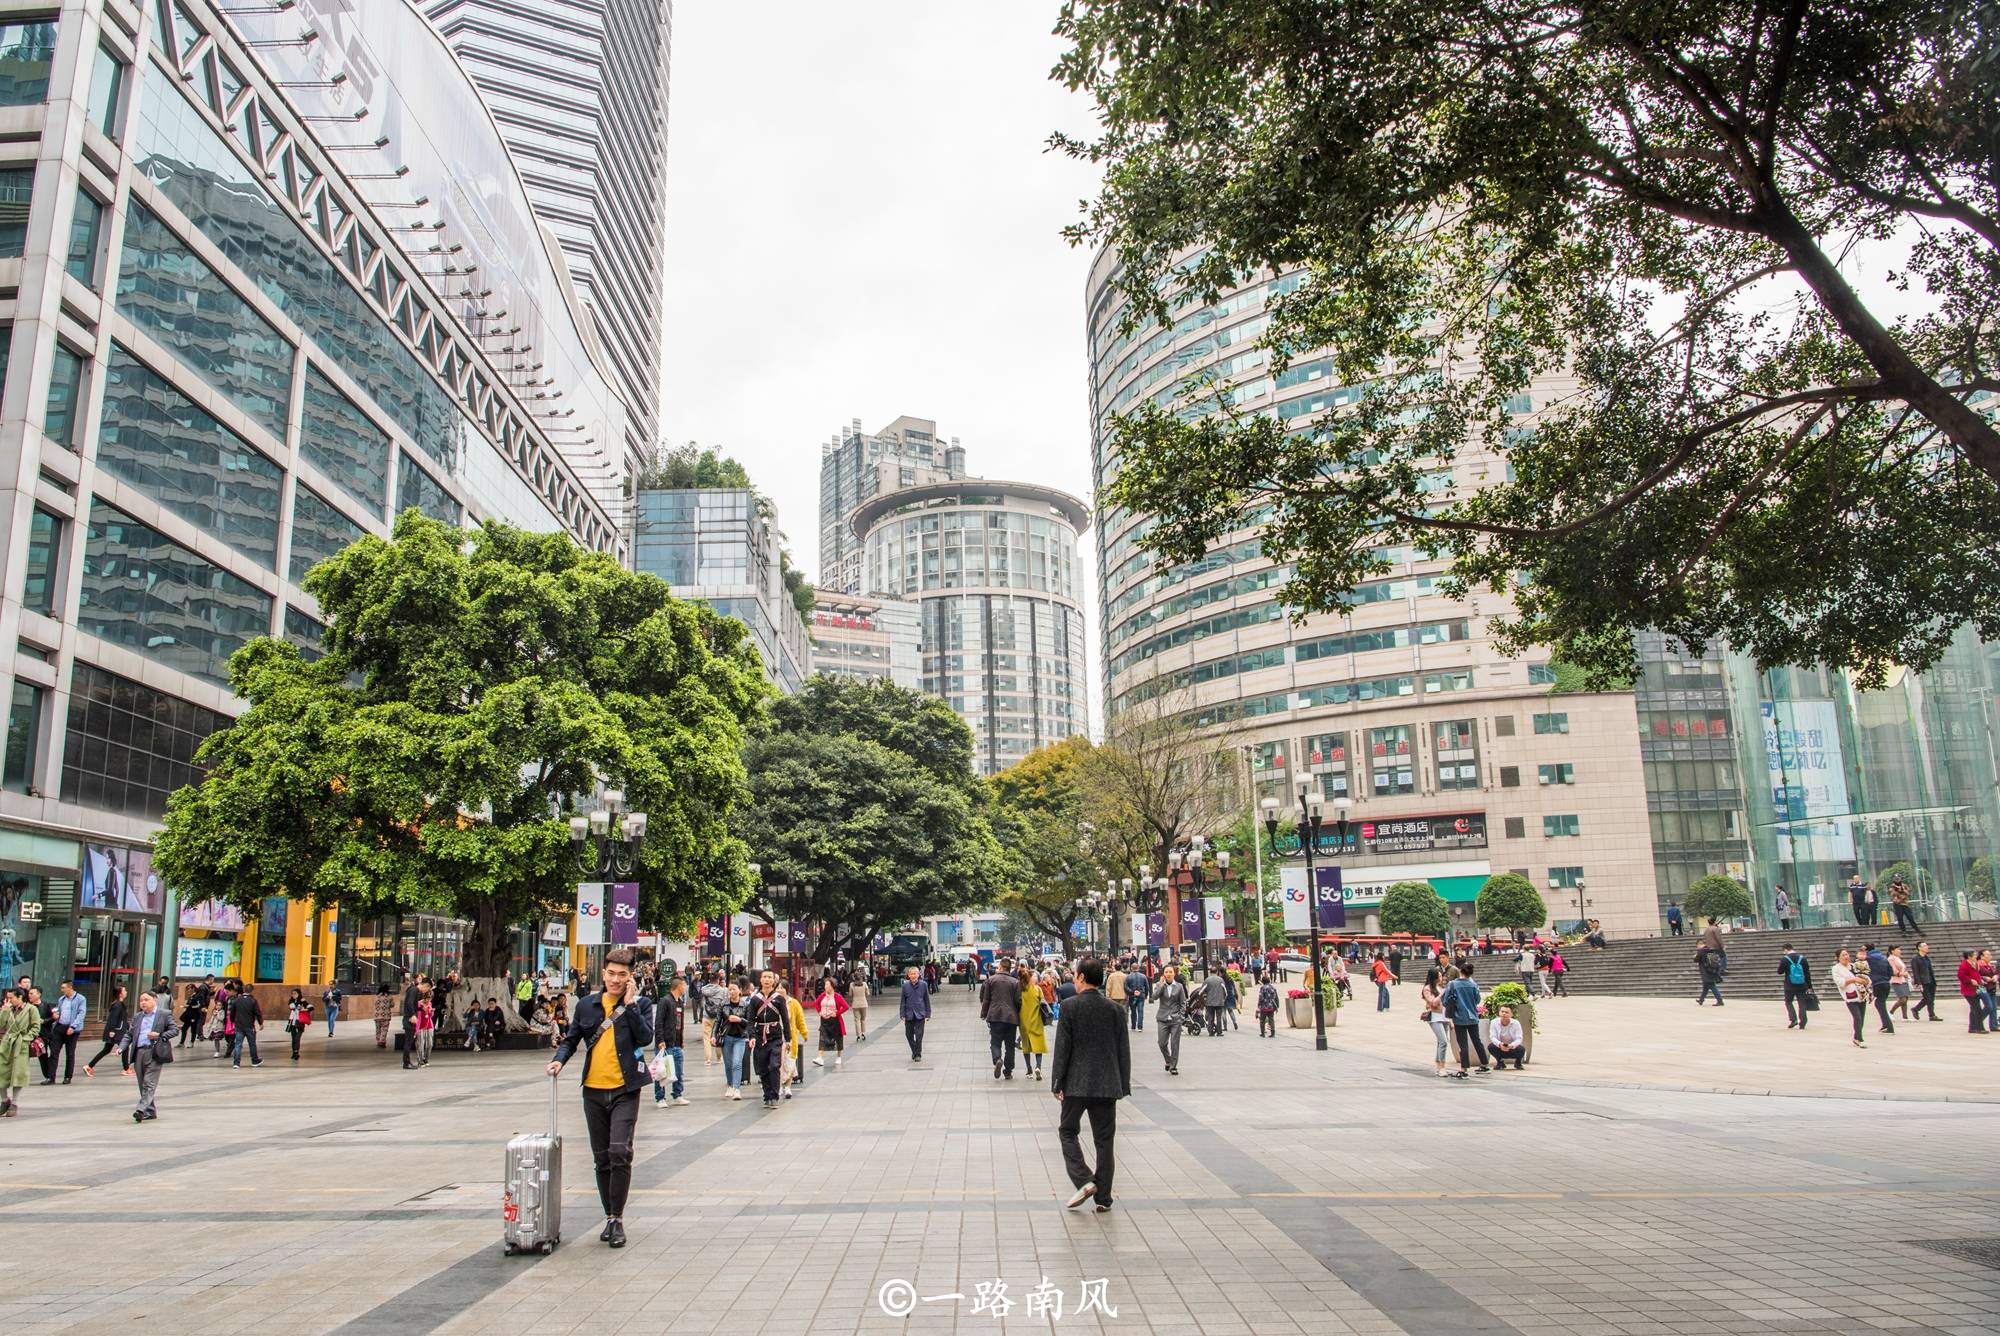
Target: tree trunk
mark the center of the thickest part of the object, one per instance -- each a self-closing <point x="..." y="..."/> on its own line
<point x="487" y="952"/>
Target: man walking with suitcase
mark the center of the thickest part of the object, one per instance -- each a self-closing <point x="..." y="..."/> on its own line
<point x="613" y="1027"/>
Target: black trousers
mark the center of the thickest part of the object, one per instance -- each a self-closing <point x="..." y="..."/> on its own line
<point x="1469" y="1034"/>
<point x="913" y="1031"/>
<point x="1929" y="1001"/>
<point x="62" y="1049"/>
<point x="1677" y="929"/>
<point x="1857" y="1010"/>
<point x="1501" y="1056"/>
<point x="1795" y="1010"/>
<point x="1103" y="1127"/>
<point x="1906" y="919"/>
<point x="1882" y="1009"/>
<point x="612" y="1117"/>
<point x="769" y="1061"/>
<point x="111" y="1044"/>
<point x="1267" y="1023"/>
<point x="1000" y="1041"/>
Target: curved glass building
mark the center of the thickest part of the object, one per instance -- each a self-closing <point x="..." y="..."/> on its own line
<point x="1459" y="762"/>
<point x="991" y="567"/>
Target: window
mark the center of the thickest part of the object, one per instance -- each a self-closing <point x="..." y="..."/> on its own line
<point x="65" y="403"/>
<point x="172" y="294"/>
<point x="26" y="50"/>
<point x="107" y="93"/>
<point x="1554" y="722"/>
<point x="17" y="188"/>
<point x="38" y="585"/>
<point x="347" y="446"/>
<point x="1555" y="827"/>
<point x="85" y="227"/>
<point x="1510" y="776"/>
<point x="1458" y="680"/>
<point x="1517" y="828"/>
<point x="158" y="440"/>
<point x="1560" y="773"/>
<point x="129" y="746"/>
<point x="24" y="731"/>
<point x="1542" y="674"/>
<point x="1391" y="763"/>
<point x="1566" y="878"/>
<point x="1503" y="725"/>
<point x="304" y="632"/>
<point x="318" y="532"/>
<point x="146" y="592"/>
<point x="416" y="488"/>
<point x="1454" y="748"/>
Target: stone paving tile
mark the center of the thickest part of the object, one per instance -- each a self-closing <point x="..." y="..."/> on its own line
<point x="1267" y="1191"/>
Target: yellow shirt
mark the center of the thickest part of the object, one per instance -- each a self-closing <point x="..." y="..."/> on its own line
<point x="605" y="1071"/>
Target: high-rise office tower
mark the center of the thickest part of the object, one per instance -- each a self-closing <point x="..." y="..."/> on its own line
<point x="579" y="89"/>
<point x="855" y="466"/>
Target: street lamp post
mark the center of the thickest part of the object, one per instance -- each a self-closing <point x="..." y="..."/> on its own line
<point x="1111" y="916"/>
<point x="605" y="843"/>
<point x="1311" y="814"/>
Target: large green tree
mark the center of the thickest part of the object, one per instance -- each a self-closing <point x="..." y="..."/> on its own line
<point x="1510" y="900"/>
<point x="864" y="811"/>
<point x="474" y="691"/>
<point x="1042" y="818"/>
<point x="1416" y="907"/>
<point x="1658" y="198"/>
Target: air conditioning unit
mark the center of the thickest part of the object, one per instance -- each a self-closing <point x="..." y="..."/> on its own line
<point x="1545" y="778"/>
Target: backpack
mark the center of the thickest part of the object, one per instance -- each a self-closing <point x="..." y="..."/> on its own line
<point x="1795" y="971"/>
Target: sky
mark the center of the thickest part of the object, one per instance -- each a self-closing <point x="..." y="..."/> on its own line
<point x="863" y="221"/>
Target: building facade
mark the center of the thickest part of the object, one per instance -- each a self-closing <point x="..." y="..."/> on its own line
<point x="227" y="354"/>
<point x="579" y="91"/>
<point x="718" y="545"/>
<point x="857" y="466"/>
<point x="860" y="637"/>
<point x="1459" y="762"/>
<point x="992" y="569"/>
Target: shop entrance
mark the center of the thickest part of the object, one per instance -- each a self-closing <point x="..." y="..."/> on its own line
<point x="114" y="949"/>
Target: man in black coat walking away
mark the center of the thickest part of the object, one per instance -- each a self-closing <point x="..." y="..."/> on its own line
<point x="1091" y="1072"/>
<point x="1000" y="1008"/>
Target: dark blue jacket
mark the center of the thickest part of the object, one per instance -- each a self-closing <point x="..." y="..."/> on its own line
<point x="916" y="1003"/>
<point x="632" y="1032"/>
<point x="1461" y="1001"/>
<point x="1879" y="970"/>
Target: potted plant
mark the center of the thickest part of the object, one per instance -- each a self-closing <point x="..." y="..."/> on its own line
<point x="1299" y="1006"/>
<point x="1515" y="996"/>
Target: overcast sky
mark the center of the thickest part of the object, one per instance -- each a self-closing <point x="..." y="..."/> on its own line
<point x="863" y="221"/>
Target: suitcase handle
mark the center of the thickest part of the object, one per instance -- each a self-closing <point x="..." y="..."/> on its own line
<point x="552" y="1106"/>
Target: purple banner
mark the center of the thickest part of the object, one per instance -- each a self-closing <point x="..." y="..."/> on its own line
<point x="1332" y="907"/>
<point x="714" y="933"/>
<point x="1190" y="920"/>
<point x="1156" y="930"/>
<point x="624" y="909"/>
<point x="800" y="939"/>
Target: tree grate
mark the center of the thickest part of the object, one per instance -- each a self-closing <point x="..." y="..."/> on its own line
<point x="1983" y="1252"/>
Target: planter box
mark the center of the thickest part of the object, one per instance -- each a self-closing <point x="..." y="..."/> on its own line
<point x="1299" y="1012"/>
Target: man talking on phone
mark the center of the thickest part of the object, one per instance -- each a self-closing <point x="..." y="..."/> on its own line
<point x="613" y="1027"/>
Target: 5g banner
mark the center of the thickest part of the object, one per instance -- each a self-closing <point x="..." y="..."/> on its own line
<point x="624" y="913"/>
<point x="590" y="913"/>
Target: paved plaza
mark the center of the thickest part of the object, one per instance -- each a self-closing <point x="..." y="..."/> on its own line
<point x="1267" y="1189"/>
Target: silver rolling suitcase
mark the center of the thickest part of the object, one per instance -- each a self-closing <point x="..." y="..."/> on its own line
<point x="531" y="1207"/>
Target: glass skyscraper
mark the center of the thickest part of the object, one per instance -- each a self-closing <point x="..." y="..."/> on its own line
<point x="717" y="545"/>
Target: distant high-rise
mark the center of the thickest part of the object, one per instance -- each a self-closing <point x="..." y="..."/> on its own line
<point x="855" y="466"/>
<point x="579" y="88"/>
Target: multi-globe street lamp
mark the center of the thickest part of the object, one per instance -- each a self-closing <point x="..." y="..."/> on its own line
<point x="606" y="841"/>
<point x="1194" y="858"/>
<point x="1311" y="817"/>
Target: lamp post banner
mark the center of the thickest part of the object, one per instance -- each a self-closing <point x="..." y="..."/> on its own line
<point x="1156" y="930"/>
<point x="1190" y="920"/>
<point x="1211" y="912"/>
<point x="797" y="937"/>
<point x="590" y="913"/>
<point x="624" y="913"/>
<point x="1298" y="912"/>
<point x="714" y="938"/>
<point x="1332" y="909"/>
<point x="1139" y="933"/>
<point x="739" y="937"/>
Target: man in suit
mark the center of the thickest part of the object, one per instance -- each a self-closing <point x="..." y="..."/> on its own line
<point x="1091" y="1072"/>
<point x="1000" y="1008"/>
<point x="611" y="1028"/>
<point x="153" y="1022"/>
<point x="409" y="1014"/>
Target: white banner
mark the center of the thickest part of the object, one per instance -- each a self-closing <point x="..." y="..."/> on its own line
<point x="1211" y="918"/>
<point x="590" y="913"/>
<point x="1138" y="930"/>
<point x="1298" y="906"/>
<point x="739" y="937"/>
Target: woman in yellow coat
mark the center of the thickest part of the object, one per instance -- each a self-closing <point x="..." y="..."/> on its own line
<point x="1034" y="1037"/>
<point x="795" y="1073"/>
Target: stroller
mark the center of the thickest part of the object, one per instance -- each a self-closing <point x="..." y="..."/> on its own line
<point x="1194" y="1019"/>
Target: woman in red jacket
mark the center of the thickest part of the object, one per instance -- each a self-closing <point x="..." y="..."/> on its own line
<point x="831" y="1007"/>
<point x="1974" y="995"/>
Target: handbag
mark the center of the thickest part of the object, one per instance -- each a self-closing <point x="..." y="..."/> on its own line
<point x="37" y="1047"/>
<point x="163" y="1050"/>
<point x="1809" y="1000"/>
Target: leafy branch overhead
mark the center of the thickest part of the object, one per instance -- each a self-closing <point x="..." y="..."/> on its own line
<point x="1658" y="209"/>
<point x="471" y="693"/>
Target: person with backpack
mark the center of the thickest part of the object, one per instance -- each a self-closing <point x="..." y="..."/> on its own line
<point x="298" y="1017"/>
<point x="1796" y="971"/>
<point x="831" y="1007"/>
<point x="612" y="1029"/>
<point x="1709" y="963"/>
<point x="1267" y="1008"/>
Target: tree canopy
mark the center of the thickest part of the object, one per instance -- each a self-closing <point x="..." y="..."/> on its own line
<point x="1654" y="208"/>
<point x="678" y="467"/>
<point x="1042" y="818"/>
<point x="475" y="690"/>
<point x="1415" y="907"/>
<point x="1717" y="896"/>
<point x="1510" y="900"/>
<point x="864" y="811"/>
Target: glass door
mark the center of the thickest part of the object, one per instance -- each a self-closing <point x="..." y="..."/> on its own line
<point x="107" y="954"/>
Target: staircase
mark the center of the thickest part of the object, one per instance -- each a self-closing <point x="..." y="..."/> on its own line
<point x="1664" y="966"/>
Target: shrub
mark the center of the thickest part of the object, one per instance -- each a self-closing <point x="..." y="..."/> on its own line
<point x="1515" y="996"/>
<point x="1415" y="907"/>
<point x="1979" y="881"/>
<point x="1717" y="896"/>
<point x="1510" y="900"/>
